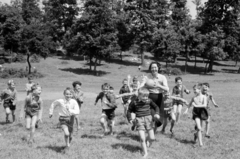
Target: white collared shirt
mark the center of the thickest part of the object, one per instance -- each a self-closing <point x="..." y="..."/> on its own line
<point x="67" y="108"/>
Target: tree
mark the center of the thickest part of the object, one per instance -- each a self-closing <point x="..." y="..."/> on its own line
<point x="10" y="29"/>
<point x="61" y="15"/>
<point x="166" y="44"/>
<point x="94" y="34"/>
<point x="30" y="10"/>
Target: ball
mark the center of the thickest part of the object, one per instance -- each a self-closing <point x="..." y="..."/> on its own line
<point x="150" y="83"/>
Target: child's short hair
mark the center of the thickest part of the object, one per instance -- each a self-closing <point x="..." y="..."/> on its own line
<point x="111" y="88"/>
<point x="135" y="78"/>
<point x="198" y="86"/>
<point x="76" y="83"/>
<point x="143" y="91"/>
<point x="35" y="86"/>
<point x="124" y="80"/>
<point x="67" y="89"/>
<point x="178" y="78"/>
<point x="30" y="77"/>
<point x="105" y="86"/>
<point x="206" y="84"/>
<point x="10" y="82"/>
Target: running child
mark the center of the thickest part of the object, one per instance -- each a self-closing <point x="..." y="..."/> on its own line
<point x="108" y="103"/>
<point x="68" y="109"/>
<point x="29" y="84"/>
<point x="33" y="107"/>
<point x="141" y="106"/>
<point x="199" y="103"/>
<point x="134" y="85"/>
<point x="125" y="89"/>
<point x="178" y="91"/>
<point x="78" y="96"/>
<point x="169" y="113"/>
<point x="206" y="92"/>
<point x="9" y="98"/>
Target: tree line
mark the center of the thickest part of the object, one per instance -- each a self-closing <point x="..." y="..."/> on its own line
<point x="100" y="28"/>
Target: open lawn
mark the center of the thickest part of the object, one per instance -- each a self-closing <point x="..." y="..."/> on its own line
<point x="87" y="143"/>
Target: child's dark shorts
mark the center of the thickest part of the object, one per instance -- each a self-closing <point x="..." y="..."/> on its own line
<point x="200" y="113"/>
<point x="9" y="104"/>
<point x="68" y="121"/>
<point x="177" y="102"/>
<point x="144" y="123"/>
<point x="109" y="113"/>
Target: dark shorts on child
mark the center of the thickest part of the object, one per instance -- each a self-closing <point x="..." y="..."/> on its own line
<point x="68" y="121"/>
<point x="177" y="102"/>
<point x="200" y="113"/>
<point x="9" y="104"/>
<point x="144" y="123"/>
<point x="109" y="113"/>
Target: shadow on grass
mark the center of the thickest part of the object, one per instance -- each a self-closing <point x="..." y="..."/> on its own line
<point x="235" y="71"/>
<point x="91" y="136"/>
<point x="128" y="147"/>
<point x="124" y="62"/>
<point x="124" y="135"/>
<point x="81" y="71"/>
<point x="184" y="141"/>
<point x="58" y="149"/>
<point x="4" y="123"/>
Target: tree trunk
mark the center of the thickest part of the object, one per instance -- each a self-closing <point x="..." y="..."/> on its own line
<point x="236" y="63"/>
<point x="195" y="65"/>
<point x="186" y="51"/>
<point x="210" y="66"/>
<point x="121" y="55"/>
<point x="142" y="56"/>
<point x="90" y="63"/>
<point x="29" y="64"/>
<point x="95" y="66"/>
<point x="205" y="70"/>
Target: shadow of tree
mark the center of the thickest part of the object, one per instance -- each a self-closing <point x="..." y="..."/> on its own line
<point x="81" y="71"/>
<point x="124" y="62"/>
<point x="58" y="149"/>
<point x="91" y="136"/>
<point x="235" y="71"/>
<point x="127" y="147"/>
<point x="124" y="134"/>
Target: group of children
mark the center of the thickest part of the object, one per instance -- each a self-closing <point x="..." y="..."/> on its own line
<point x="140" y="111"/>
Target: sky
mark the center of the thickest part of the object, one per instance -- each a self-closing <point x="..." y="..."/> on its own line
<point x="190" y="5"/>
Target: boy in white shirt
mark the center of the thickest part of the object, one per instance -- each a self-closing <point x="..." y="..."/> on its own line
<point x="68" y="108"/>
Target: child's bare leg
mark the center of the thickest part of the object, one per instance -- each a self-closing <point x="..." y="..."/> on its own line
<point x="103" y="122"/>
<point x="111" y="126"/>
<point x="143" y="142"/>
<point x="8" y="111"/>
<point x="179" y="111"/>
<point x="199" y="130"/>
<point x="66" y="134"/>
<point x="172" y="121"/>
<point x="164" y="124"/>
<point x="150" y="138"/>
<point x="13" y="115"/>
<point x="125" y="106"/>
<point x="77" y="121"/>
<point x="208" y="126"/>
<point x="32" y="127"/>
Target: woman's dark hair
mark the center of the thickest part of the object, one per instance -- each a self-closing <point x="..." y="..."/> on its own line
<point x="158" y="65"/>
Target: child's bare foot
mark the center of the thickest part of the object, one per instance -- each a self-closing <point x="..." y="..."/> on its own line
<point x="207" y="136"/>
<point x="145" y="155"/>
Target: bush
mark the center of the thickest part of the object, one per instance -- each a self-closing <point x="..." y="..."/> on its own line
<point x="2" y="61"/>
<point x="20" y="58"/>
<point x="18" y="73"/>
<point x="35" y="59"/>
<point x="172" y="71"/>
<point x="64" y="62"/>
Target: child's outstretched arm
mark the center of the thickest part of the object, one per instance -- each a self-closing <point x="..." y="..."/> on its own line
<point x="124" y="94"/>
<point x="56" y="103"/>
<point x="156" y="108"/>
<point x="188" y="106"/>
<point x="129" y="111"/>
<point x="178" y="98"/>
<point x="213" y="101"/>
<point x="100" y="95"/>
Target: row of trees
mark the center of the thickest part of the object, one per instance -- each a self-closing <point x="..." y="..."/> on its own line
<point x="100" y="28"/>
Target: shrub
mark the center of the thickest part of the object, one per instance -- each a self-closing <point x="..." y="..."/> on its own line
<point x="20" y="58"/>
<point x="172" y="71"/>
<point x="18" y="73"/>
<point x="35" y="58"/>
<point x="2" y="61"/>
<point x="64" y="62"/>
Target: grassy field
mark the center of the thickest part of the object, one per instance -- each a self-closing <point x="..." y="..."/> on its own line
<point x="87" y="143"/>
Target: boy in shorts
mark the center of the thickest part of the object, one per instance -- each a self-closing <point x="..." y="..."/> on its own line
<point x="205" y="91"/>
<point x="141" y="106"/>
<point x="9" y="98"/>
<point x="169" y="113"/>
<point x="178" y="91"/>
<point x="125" y="89"/>
<point x="68" y="109"/>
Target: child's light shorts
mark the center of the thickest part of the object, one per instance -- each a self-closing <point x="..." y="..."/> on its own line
<point x="144" y="123"/>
